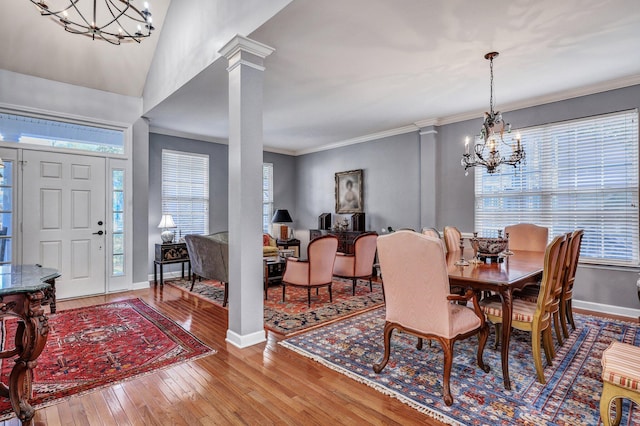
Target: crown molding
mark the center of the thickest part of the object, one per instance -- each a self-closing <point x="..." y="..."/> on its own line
<point x="204" y="138"/>
<point x="366" y="138"/>
<point x="239" y="42"/>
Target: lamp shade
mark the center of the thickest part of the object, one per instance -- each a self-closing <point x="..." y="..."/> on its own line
<point x="281" y="216"/>
<point x="167" y="222"/>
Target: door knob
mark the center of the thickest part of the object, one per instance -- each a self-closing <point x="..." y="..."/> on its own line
<point x="98" y="233"/>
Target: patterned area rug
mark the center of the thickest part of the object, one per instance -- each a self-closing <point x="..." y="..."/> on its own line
<point x="570" y="397"/>
<point x="93" y="347"/>
<point x="293" y="315"/>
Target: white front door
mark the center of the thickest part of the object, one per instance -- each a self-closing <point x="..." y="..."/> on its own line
<point x="64" y="219"/>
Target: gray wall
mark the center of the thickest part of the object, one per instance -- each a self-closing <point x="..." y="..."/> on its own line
<point x="283" y="180"/>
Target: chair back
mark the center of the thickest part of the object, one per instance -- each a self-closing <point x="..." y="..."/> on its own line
<point x="321" y="253"/>
<point x="573" y="255"/>
<point x="209" y="255"/>
<point x="527" y="236"/>
<point x="452" y="238"/>
<point x="431" y="232"/>
<point x="364" y="253"/>
<point x="552" y="277"/>
<point x="414" y="287"/>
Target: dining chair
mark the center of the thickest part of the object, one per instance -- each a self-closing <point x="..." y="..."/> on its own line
<point x="430" y="232"/>
<point x="316" y="271"/>
<point x="573" y="255"/>
<point x="418" y="300"/>
<point x="527" y="237"/>
<point x="452" y="238"/>
<point x="535" y="316"/>
<point x="358" y="265"/>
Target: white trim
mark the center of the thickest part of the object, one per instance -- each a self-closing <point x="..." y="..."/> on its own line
<point x="246" y="340"/>
<point x="62" y="116"/>
<point x="247" y="63"/>
<point x="239" y="42"/>
<point x="428" y="132"/>
<point x="607" y="309"/>
<point x="141" y="285"/>
<point x="370" y="137"/>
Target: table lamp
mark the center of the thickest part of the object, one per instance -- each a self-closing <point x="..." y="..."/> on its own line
<point x="165" y="223"/>
<point x="282" y="216"/>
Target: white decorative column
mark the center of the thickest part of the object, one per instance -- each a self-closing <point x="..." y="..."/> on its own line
<point x="246" y="320"/>
<point x="428" y="164"/>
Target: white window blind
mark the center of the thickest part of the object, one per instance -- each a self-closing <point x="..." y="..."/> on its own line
<point x="185" y="191"/>
<point x="267" y="196"/>
<point x="578" y="174"/>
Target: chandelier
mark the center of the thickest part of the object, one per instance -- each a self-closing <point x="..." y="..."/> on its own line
<point x="115" y="21"/>
<point x="487" y="152"/>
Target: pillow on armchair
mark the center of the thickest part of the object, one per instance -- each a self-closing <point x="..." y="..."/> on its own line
<point x="269" y="246"/>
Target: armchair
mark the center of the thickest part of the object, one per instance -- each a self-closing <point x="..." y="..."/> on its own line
<point x="419" y="302"/>
<point x="209" y="256"/>
<point x="315" y="272"/>
<point x="269" y="246"/>
<point x="359" y="264"/>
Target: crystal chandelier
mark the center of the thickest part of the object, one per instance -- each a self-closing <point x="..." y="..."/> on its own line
<point x="487" y="152"/>
<point x="115" y="21"/>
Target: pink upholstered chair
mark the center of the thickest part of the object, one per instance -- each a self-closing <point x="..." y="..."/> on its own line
<point x="418" y="300"/>
<point x="527" y="236"/>
<point x="430" y="232"/>
<point x="452" y="238"/>
<point x="316" y="271"/>
<point x="359" y="264"/>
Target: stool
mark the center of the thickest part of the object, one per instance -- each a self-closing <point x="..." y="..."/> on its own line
<point x="620" y="379"/>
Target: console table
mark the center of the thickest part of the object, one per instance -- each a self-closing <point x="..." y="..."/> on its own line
<point x="167" y="254"/>
<point x="290" y="244"/>
<point x="345" y="238"/>
<point x="22" y="294"/>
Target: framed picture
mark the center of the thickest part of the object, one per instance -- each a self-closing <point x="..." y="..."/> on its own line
<point x="349" y="192"/>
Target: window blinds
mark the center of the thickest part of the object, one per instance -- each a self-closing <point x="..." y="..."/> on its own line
<point x="578" y="174"/>
<point x="185" y="191"/>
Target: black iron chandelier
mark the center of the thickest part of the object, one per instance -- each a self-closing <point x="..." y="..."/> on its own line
<point x="115" y="21"/>
<point x="486" y="153"/>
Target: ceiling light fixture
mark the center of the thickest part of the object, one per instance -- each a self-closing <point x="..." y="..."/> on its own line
<point x="117" y="21"/>
<point x="486" y="153"/>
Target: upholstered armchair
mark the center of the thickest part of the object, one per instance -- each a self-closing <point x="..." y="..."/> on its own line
<point x="359" y="264"/>
<point x="527" y="236"/>
<point x="269" y="246"/>
<point x="209" y="256"/>
<point x="418" y="300"/>
<point x="316" y="271"/>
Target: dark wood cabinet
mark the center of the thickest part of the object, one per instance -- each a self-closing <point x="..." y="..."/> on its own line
<point x="169" y="253"/>
<point x="345" y="238"/>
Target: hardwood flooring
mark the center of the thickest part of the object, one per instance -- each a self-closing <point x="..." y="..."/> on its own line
<point x="261" y="385"/>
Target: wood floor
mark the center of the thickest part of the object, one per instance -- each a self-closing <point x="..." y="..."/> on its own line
<point x="264" y="384"/>
<point x="261" y="385"/>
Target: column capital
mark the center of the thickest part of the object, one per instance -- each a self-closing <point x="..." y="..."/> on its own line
<point x="241" y="43"/>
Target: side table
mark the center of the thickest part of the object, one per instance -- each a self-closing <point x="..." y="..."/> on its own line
<point x="289" y="244"/>
<point x="273" y="272"/>
<point x="167" y="254"/>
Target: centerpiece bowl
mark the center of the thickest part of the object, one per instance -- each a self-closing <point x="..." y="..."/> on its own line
<point x="491" y="246"/>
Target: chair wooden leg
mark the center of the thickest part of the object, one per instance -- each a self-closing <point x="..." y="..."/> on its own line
<point x="483" y="336"/>
<point x="447" y="347"/>
<point x="370" y="286"/>
<point x="354" y="282"/>
<point x="193" y="281"/>
<point x="570" y="314"/>
<point x="563" y="318"/>
<point x="309" y="296"/>
<point x="609" y="394"/>
<point x="330" y="294"/>
<point x="537" y="356"/>
<point x="556" y="326"/>
<point x="496" y="342"/>
<point x="283" y="290"/>
<point x="550" y="352"/>
<point x="226" y="295"/>
<point x="388" y="329"/>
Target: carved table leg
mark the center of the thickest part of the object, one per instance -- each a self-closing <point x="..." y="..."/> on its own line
<point x="507" y="310"/>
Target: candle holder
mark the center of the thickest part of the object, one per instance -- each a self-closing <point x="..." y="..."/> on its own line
<point x="461" y="262"/>
<point x="475" y="245"/>
<point x="507" y="252"/>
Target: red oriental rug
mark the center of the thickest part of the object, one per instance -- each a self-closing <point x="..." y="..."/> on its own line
<point x="294" y="315"/>
<point x="98" y="346"/>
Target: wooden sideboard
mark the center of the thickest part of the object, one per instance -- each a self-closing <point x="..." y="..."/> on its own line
<point x="345" y="238"/>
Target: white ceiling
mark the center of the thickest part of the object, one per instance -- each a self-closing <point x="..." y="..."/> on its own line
<point x="345" y="69"/>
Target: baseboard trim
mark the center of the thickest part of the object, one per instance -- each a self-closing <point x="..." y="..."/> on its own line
<point x="244" y="341"/>
<point x="606" y="309"/>
<point x="141" y="285"/>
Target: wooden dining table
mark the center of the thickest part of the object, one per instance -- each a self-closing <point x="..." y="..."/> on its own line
<point x="503" y="277"/>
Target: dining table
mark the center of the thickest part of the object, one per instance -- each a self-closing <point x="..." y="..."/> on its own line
<point x="502" y="276"/>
